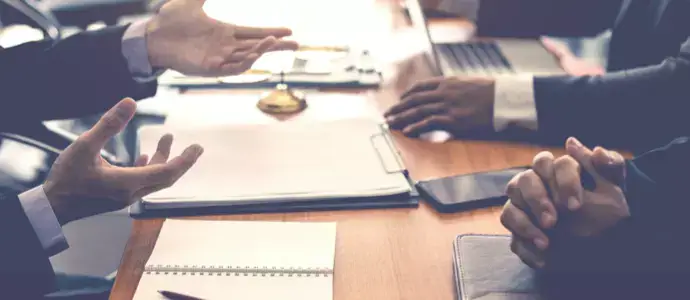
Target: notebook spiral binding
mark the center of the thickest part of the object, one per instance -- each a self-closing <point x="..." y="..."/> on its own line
<point x="193" y="270"/>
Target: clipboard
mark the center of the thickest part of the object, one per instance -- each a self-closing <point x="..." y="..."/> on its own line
<point x="388" y="156"/>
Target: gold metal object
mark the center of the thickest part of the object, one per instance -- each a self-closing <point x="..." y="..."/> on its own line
<point x="282" y="100"/>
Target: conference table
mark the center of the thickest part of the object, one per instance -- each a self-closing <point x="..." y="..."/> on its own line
<point x="402" y="253"/>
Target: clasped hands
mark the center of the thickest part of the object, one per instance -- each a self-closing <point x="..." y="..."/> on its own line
<point x="550" y="199"/>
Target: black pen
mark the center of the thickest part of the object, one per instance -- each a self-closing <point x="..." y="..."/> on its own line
<point x="177" y="296"/>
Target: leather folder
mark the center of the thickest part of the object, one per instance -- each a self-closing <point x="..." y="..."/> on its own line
<point x="486" y="269"/>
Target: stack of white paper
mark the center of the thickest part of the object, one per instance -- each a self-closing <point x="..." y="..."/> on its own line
<point x="280" y="162"/>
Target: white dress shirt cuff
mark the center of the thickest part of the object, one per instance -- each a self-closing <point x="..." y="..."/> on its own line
<point x="136" y="53"/>
<point x="514" y="103"/>
<point x="465" y="8"/>
<point x="43" y="220"/>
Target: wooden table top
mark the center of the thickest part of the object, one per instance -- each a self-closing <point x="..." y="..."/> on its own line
<point x="389" y="253"/>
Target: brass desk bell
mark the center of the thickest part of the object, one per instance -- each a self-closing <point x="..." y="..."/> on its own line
<point x="282" y="100"/>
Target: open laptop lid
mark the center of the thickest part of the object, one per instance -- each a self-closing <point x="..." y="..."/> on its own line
<point x="421" y="31"/>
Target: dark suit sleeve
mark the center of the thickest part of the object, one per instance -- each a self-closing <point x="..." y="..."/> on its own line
<point x="644" y="257"/>
<point x="25" y="271"/>
<point x="83" y="74"/>
<point x="532" y="18"/>
<point x="655" y="238"/>
<point x="636" y="109"/>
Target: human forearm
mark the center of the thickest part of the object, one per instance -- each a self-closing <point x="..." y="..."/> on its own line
<point x="637" y="109"/>
<point x="25" y="271"/>
<point x="645" y="254"/>
<point x="83" y="74"/>
<point x="651" y="239"/>
<point x="533" y="18"/>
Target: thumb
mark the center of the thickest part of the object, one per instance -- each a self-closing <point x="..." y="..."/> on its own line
<point x="110" y="124"/>
<point x="558" y="50"/>
<point x="610" y="165"/>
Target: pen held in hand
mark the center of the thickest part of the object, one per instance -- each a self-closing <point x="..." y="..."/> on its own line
<point x="177" y="296"/>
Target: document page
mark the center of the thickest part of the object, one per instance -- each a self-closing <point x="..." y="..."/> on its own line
<point x="258" y="163"/>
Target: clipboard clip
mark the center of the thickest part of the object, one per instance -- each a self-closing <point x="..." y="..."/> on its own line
<point x="388" y="153"/>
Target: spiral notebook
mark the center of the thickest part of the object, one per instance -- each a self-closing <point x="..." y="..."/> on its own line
<point x="241" y="260"/>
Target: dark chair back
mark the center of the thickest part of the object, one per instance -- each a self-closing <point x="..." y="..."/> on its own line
<point x="82" y="13"/>
<point x="35" y="157"/>
<point x="29" y="13"/>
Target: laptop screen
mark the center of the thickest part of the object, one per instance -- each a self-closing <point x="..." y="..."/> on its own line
<point x="414" y="9"/>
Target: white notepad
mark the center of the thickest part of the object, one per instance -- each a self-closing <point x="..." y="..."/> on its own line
<point x="241" y="260"/>
<point x="281" y="162"/>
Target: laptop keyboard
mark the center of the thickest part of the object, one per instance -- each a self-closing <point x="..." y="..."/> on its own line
<point x="481" y="57"/>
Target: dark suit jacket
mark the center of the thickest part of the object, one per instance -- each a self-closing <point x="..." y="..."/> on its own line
<point x="25" y="271"/>
<point x="644" y="257"/>
<point x="81" y="75"/>
<point x="642" y="101"/>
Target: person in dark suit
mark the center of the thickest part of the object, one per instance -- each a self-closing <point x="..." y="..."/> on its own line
<point x="80" y="184"/>
<point x="639" y="103"/>
<point x="89" y="72"/>
<point x="598" y="226"/>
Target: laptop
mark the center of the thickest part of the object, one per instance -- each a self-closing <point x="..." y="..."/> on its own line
<point x="484" y="57"/>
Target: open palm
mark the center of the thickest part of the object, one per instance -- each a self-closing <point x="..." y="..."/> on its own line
<point x="81" y="183"/>
<point x="182" y="37"/>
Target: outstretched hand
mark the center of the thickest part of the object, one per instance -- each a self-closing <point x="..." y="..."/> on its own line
<point x="183" y="38"/>
<point x="81" y="183"/>
<point x="570" y="63"/>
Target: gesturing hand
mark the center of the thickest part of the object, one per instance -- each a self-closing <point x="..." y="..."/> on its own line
<point x="183" y="38"/>
<point x="552" y="192"/>
<point x="81" y="183"/>
<point x="570" y="63"/>
<point x="451" y="104"/>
